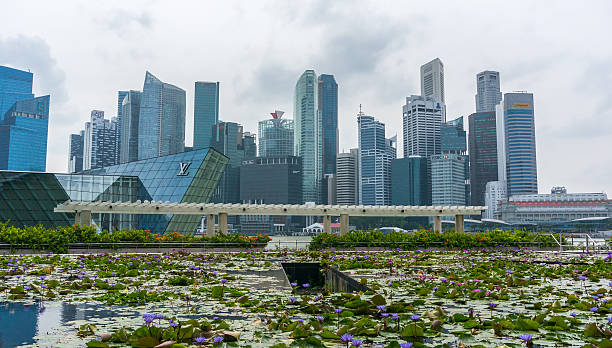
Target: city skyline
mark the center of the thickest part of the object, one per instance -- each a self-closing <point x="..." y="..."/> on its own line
<point x="381" y="81"/>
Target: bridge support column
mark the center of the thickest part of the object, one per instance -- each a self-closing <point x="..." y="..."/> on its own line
<point x="210" y="225"/>
<point x="223" y="223"/>
<point x="326" y="224"/>
<point x="83" y="218"/>
<point x="344" y="224"/>
<point x="459" y="224"/>
<point x="437" y="224"/>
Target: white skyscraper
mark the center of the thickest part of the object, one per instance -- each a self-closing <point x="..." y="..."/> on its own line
<point x="100" y="142"/>
<point x="488" y="93"/>
<point x="432" y="83"/>
<point x="422" y="119"/>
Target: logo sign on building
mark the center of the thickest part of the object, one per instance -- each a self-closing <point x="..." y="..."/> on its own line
<point x="183" y="168"/>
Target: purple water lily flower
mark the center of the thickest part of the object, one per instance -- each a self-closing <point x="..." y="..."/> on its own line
<point x="394" y="316"/>
<point x="320" y="318"/>
<point x="356" y="343"/>
<point x="406" y="345"/>
<point x="338" y="310"/>
<point x="581" y="277"/>
<point x="217" y="339"/>
<point x="346" y="337"/>
<point x="306" y="285"/>
<point x="594" y="309"/>
<point x="200" y="339"/>
<point x="292" y="299"/>
<point x="526" y="338"/>
<point x="415" y="317"/>
<point x="172" y="323"/>
<point x="381" y="308"/>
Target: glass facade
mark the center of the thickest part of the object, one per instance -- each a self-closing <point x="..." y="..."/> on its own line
<point x="328" y="106"/>
<point x="308" y="135"/>
<point x="448" y="180"/>
<point x="410" y="181"/>
<point x="375" y="156"/>
<point x="519" y="126"/>
<point x="23" y="135"/>
<point x="75" y="152"/>
<point x="28" y="199"/>
<point x="482" y="142"/>
<point x="15" y="85"/>
<point x="488" y="92"/>
<point x="275" y="137"/>
<point x="128" y="151"/>
<point x="205" y="112"/>
<point x="421" y="125"/>
<point x="187" y="177"/>
<point x="161" y="129"/>
<point x="100" y="142"/>
<point x="452" y="137"/>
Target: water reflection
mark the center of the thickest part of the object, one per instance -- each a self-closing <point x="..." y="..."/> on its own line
<point x="20" y="323"/>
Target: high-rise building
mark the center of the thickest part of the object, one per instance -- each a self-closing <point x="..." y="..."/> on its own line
<point x="482" y="144"/>
<point x="410" y="181"/>
<point x="205" y="112"/>
<point x="161" y="129"/>
<point x="448" y="180"/>
<point x="308" y="135"/>
<point x="422" y="117"/>
<point x="120" y="96"/>
<point x="130" y="112"/>
<point x="100" y="142"/>
<point x="75" y="154"/>
<point x="495" y="193"/>
<point x="230" y="140"/>
<point x="432" y="80"/>
<point x="520" y="146"/>
<point x="276" y="136"/>
<point x="347" y="178"/>
<point x="452" y="137"/>
<point x="375" y="155"/>
<point x="15" y="85"/>
<point x="328" y="106"/>
<point x="488" y="93"/>
<point x="23" y="135"/>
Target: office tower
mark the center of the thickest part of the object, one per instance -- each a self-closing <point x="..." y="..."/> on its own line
<point x="75" y="152"/>
<point x="452" y="137"/>
<point x="520" y="146"/>
<point x="120" y="96"/>
<point x="229" y="139"/>
<point x="15" y="85"/>
<point x="308" y="135"/>
<point x="276" y="136"/>
<point x="432" y="83"/>
<point x="495" y="193"/>
<point x="488" y="93"/>
<point x="482" y="144"/>
<point x="248" y="141"/>
<point x="375" y="155"/>
<point x="328" y="106"/>
<point x="270" y="180"/>
<point x="161" y="129"/>
<point x="448" y="180"/>
<point x="130" y="112"/>
<point x="205" y="112"/>
<point x="410" y="181"/>
<point x="100" y="142"/>
<point x="23" y="135"/>
<point x="347" y="178"/>
<point x="421" y="124"/>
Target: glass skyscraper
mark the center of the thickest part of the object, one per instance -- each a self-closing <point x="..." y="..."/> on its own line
<point x="100" y="142"/>
<point x="23" y="135"/>
<point x="75" y="152"/>
<point x="452" y="137"/>
<point x="161" y="129"/>
<point x="520" y="146"/>
<point x="275" y="136"/>
<point x="448" y="180"/>
<point x="482" y="144"/>
<point x="205" y="112"/>
<point x="15" y="85"/>
<point x="308" y="135"/>
<point x="328" y="106"/>
<point x="375" y="156"/>
<point x="120" y="96"/>
<point x="410" y="181"/>
<point x="130" y="112"/>
<point x="488" y="92"/>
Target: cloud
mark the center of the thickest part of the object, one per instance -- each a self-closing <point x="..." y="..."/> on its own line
<point x="34" y="54"/>
<point x="121" y="20"/>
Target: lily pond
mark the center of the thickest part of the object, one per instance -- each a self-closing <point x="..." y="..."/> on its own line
<point x="286" y="298"/>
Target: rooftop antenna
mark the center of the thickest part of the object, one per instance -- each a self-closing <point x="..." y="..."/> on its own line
<point x="360" y="112"/>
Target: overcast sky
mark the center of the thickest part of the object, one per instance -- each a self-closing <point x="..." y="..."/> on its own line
<point x="83" y="52"/>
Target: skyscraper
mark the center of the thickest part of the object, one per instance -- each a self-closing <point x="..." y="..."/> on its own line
<point x="100" y="142"/>
<point x="422" y="117"/>
<point x="482" y="144"/>
<point x="410" y="181"/>
<point x="452" y="137"/>
<point x="347" y="178"/>
<point x="130" y="112"/>
<point x="308" y="135"/>
<point x="15" y="85"/>
<point x="75" y="152"/>
<point x="375" y="155"/>
<point x="205" y="112"/>
<point x="120" y="96"/>
<point x="448" y="180"/>
<point x="432" y="83"/>
<point x="328" y="106"/>
<point x="276" y="136"/>
<point x="23" y="135"/>
<point x="520" y="146"/>
<point x="161" y="129"/>
<point x="487" y="91"/>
